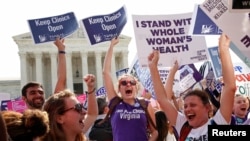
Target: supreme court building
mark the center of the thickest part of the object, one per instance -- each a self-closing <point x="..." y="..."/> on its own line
<point x="38" y="62"/>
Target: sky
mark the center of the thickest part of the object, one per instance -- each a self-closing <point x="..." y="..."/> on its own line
<point x="14" y="15"/>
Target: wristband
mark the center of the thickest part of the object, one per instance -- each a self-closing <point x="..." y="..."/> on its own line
<point x="61" y="52"/>
<point x="90" y="91"/>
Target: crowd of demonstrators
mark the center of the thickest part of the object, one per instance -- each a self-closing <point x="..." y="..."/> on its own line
<point x="30" y="125"/>
<point x="128" y="119"/>
<point x="62" y="117"/>
<point x="197" y="106"/>
<point x="33" y="92"/>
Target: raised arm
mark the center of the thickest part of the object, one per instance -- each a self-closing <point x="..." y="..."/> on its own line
<point x="92" y="110"/>
<point x="169" y="84"/>
<point x="160" y="92"/>
<point x="107" y="77"/>
<point x="229" y="88"/>
<point x="61" y="69"/>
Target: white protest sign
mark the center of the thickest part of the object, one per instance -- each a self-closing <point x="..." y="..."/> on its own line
<point x="169" y="35"/>
<point x="235" y="25"/>
<point x="242" y="76"/>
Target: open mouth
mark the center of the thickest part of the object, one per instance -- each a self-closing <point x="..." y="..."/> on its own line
<point x="243" y="109"/>
<point x="128" y="91"/>
<point x="190" y="116"/>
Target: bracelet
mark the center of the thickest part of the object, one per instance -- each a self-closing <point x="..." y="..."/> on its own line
<point x="61" y="52"/>
<point x="90" y="92"/>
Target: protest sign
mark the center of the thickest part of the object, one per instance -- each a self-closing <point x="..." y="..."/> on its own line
<point x="103" y="28"/>
<point x="186" y="77"/>
<point x="121" y="72"/>
<point x="101" y="92"/>
<point x="242" y="75"/>
<point x="216" y="62"/>
<point x="169" y="35"/>
<point x="235" y="25"/>
<point x="49" y="28"/>
<point x="201" y="24"/>
<point x="239" y="5"/>
<point x="16" y="105"/>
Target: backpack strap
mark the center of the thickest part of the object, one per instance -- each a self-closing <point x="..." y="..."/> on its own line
<point x="185" y="130"/>
<point x="175" y="133"/>
<point x="144" y="105"/>
<point x="114" y="102"/>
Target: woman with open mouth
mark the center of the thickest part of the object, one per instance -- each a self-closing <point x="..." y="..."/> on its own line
<point x="195" y="119"/>
<point x="69" y="121"/>
<point x="128" y="119"/>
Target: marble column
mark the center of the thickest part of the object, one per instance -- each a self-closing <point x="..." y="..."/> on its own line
<point x="69" y="76"/>
<point x="84" y="57"/>
<point x="98" y="63"/>
<point x="39" y="71"/>
<point x="54" y="64"/>
<point x="23" y="67"/>
<point x="125" y="59"/>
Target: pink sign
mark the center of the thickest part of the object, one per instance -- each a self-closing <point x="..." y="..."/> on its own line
<point x="81" y="98"/>
<point x="17" y="105"/>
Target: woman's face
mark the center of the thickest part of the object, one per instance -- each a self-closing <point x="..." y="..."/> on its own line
<point x="73" y="116"/>
<point x="127" y="87"/>
<point x="195" y="111"/>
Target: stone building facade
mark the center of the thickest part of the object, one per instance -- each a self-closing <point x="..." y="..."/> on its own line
<point x="38" y="62"/>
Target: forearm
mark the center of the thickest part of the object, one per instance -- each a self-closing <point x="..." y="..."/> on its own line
<point x="169" y="84"/>
<point x="157" y="84"/>
<point x="61" y="73"/>
<point x="108" y="83"/>
<point x="92" y="104"/>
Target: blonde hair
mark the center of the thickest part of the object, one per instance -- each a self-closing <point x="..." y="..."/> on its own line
<point x="126" y="76"/>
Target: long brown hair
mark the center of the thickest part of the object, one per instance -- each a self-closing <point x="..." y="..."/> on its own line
<point x="54" y="106"/>
<point x="162" y="125"/>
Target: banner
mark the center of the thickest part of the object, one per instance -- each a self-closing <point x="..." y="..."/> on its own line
<point x="49" y="28"/>
<point x="186" y="77"/>
<point x="103" y="28"/>
<point x="242" y="76"/>
<point x="16" y="105"/>
<point x="235" y="25"/>
<point x="201" y="24"/>
<point x="169" y="35"/>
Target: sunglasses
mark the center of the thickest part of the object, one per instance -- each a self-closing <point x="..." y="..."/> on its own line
<point x="125" y="82"/>
<point x="78" y="108"/>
